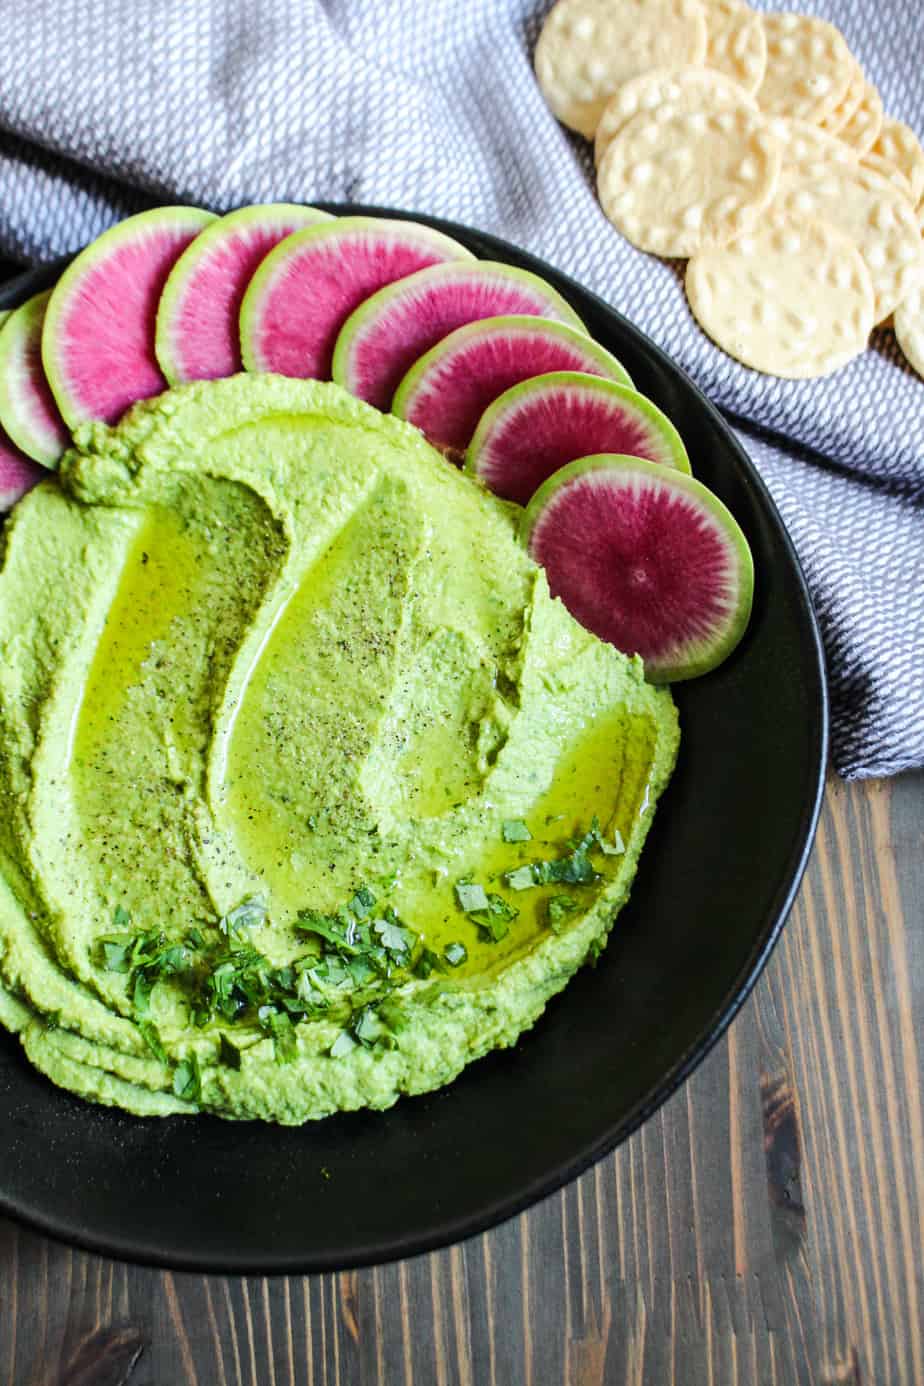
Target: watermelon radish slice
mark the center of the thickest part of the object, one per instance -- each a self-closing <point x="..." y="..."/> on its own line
<point x="305" y="289"/>
<point x="446" y="392"/>
<point x="645" y="557"/>
<point x="198" y="318"/>
<point x="384" y="337"/>
<point x="28" y="412"/>
<point x="540" y="425"/>
<point x="18" y="473"/>
<point x="98" y="338"/>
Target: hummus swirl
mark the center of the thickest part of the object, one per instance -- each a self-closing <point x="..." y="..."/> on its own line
<point x="262" y="643"/>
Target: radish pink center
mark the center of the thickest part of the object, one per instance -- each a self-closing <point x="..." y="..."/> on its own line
<point x="641" y="566"/>
<point x="542" y="432"/>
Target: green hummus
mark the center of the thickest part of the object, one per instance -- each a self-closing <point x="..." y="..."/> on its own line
<point x="313" y="794"/>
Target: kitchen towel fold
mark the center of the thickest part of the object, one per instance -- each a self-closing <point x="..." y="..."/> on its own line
<point x="107" y="106"/>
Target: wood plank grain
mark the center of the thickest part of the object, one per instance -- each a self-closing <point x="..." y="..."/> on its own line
<point x="764" y="1228"/>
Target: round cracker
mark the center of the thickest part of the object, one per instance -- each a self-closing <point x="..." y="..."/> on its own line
<point x="899" y="144"/>
<point x="674" y="181"/>
<point x="588" y="48"/>
<point x="861" y="130"/>
<point x="880" y="222"/>
<point x="688" y="88"/>
<point x="890" y="172"/>
<point x="909" y="328"/>
<point x="809" y="67"/>
<point x="736" y="43"/>
<point x="792" y="298"/>
<point x="835" y="120"/>
<point x="807" y="152"/>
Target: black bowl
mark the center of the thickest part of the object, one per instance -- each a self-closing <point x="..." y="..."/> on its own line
<point x="715" y="884"/>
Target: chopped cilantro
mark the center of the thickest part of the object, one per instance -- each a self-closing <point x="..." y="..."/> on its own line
<point x="520" y="879"/>
<point x="279" y="1026"/>
<point x="470" y="896"/>
<point x="491" y="913"/>
<point x="187" y="1081"/>
<point x="362" y="903"/>
<point x="151" y="1037"/>
<point x="455" y="954"/>
<point x="494" y="922"/>
<point x="427" y="962"/>
<point x="558" y="909"/>
<point x="515" y="830"/>
<point x="393" y="1015"/>
<point x="121" y="918"/>
<point x="393" y="935"/>
<point x="346" y="974"/>
<point x="344" y="1044"/>
<point x="228" y="1053"/>
<point x="365" y="1026"/>
<point x="244" y="916"/>
<point x="116" y="952"/>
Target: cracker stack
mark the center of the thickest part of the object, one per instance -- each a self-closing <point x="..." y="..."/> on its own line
<point x="754" y="145"/>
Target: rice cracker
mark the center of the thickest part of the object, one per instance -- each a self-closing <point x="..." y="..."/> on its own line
<point x="861" y="130"/>
<point x="588" y="48"/>
<point x="687" y="88"/>
<point x="899" y="144"/>
<point x="675" y="181"/>
<point x="807" y="152"/>
<point x="736" y="43"/>
<point x="809" y="67"/>
<point x="792" y="298"/>
<point x="845" y="109"/>
<point x="909" y="328"/>
<point x="880" y="222"/>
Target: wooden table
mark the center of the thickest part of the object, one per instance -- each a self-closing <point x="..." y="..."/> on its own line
<point x="764" y="1227"/>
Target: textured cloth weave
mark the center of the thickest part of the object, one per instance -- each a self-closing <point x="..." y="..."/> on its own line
<point x="108" y="106"/>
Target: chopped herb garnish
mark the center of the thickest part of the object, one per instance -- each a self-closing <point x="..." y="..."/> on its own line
<point x="393" y="935"/>
<point x="427" y="962"/>
<point x="351" y="964"/>
<point x="471" y="896"/>
<point x="393" y="1015"/>
<point x="228" y="1053"/>
<point x="116" y="952"/>
<point x="515" y="830"/>
<point x="151" y="1037"/>
<point x="121" y="918"/>
<point x="279" y="1026"/>
<point x="492" y="913"/>
<point x="558" y="909"/>
<point x="362" y="903"/>
<point x="494" y="922"/>
<point x="365" y="1026"/>
<point x="455" y="954"/>
<point x="244" y="916"/>
<point x="187" y="1082"/>
<point x="575" y="868"/>
<point x="344" y="1044"/>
